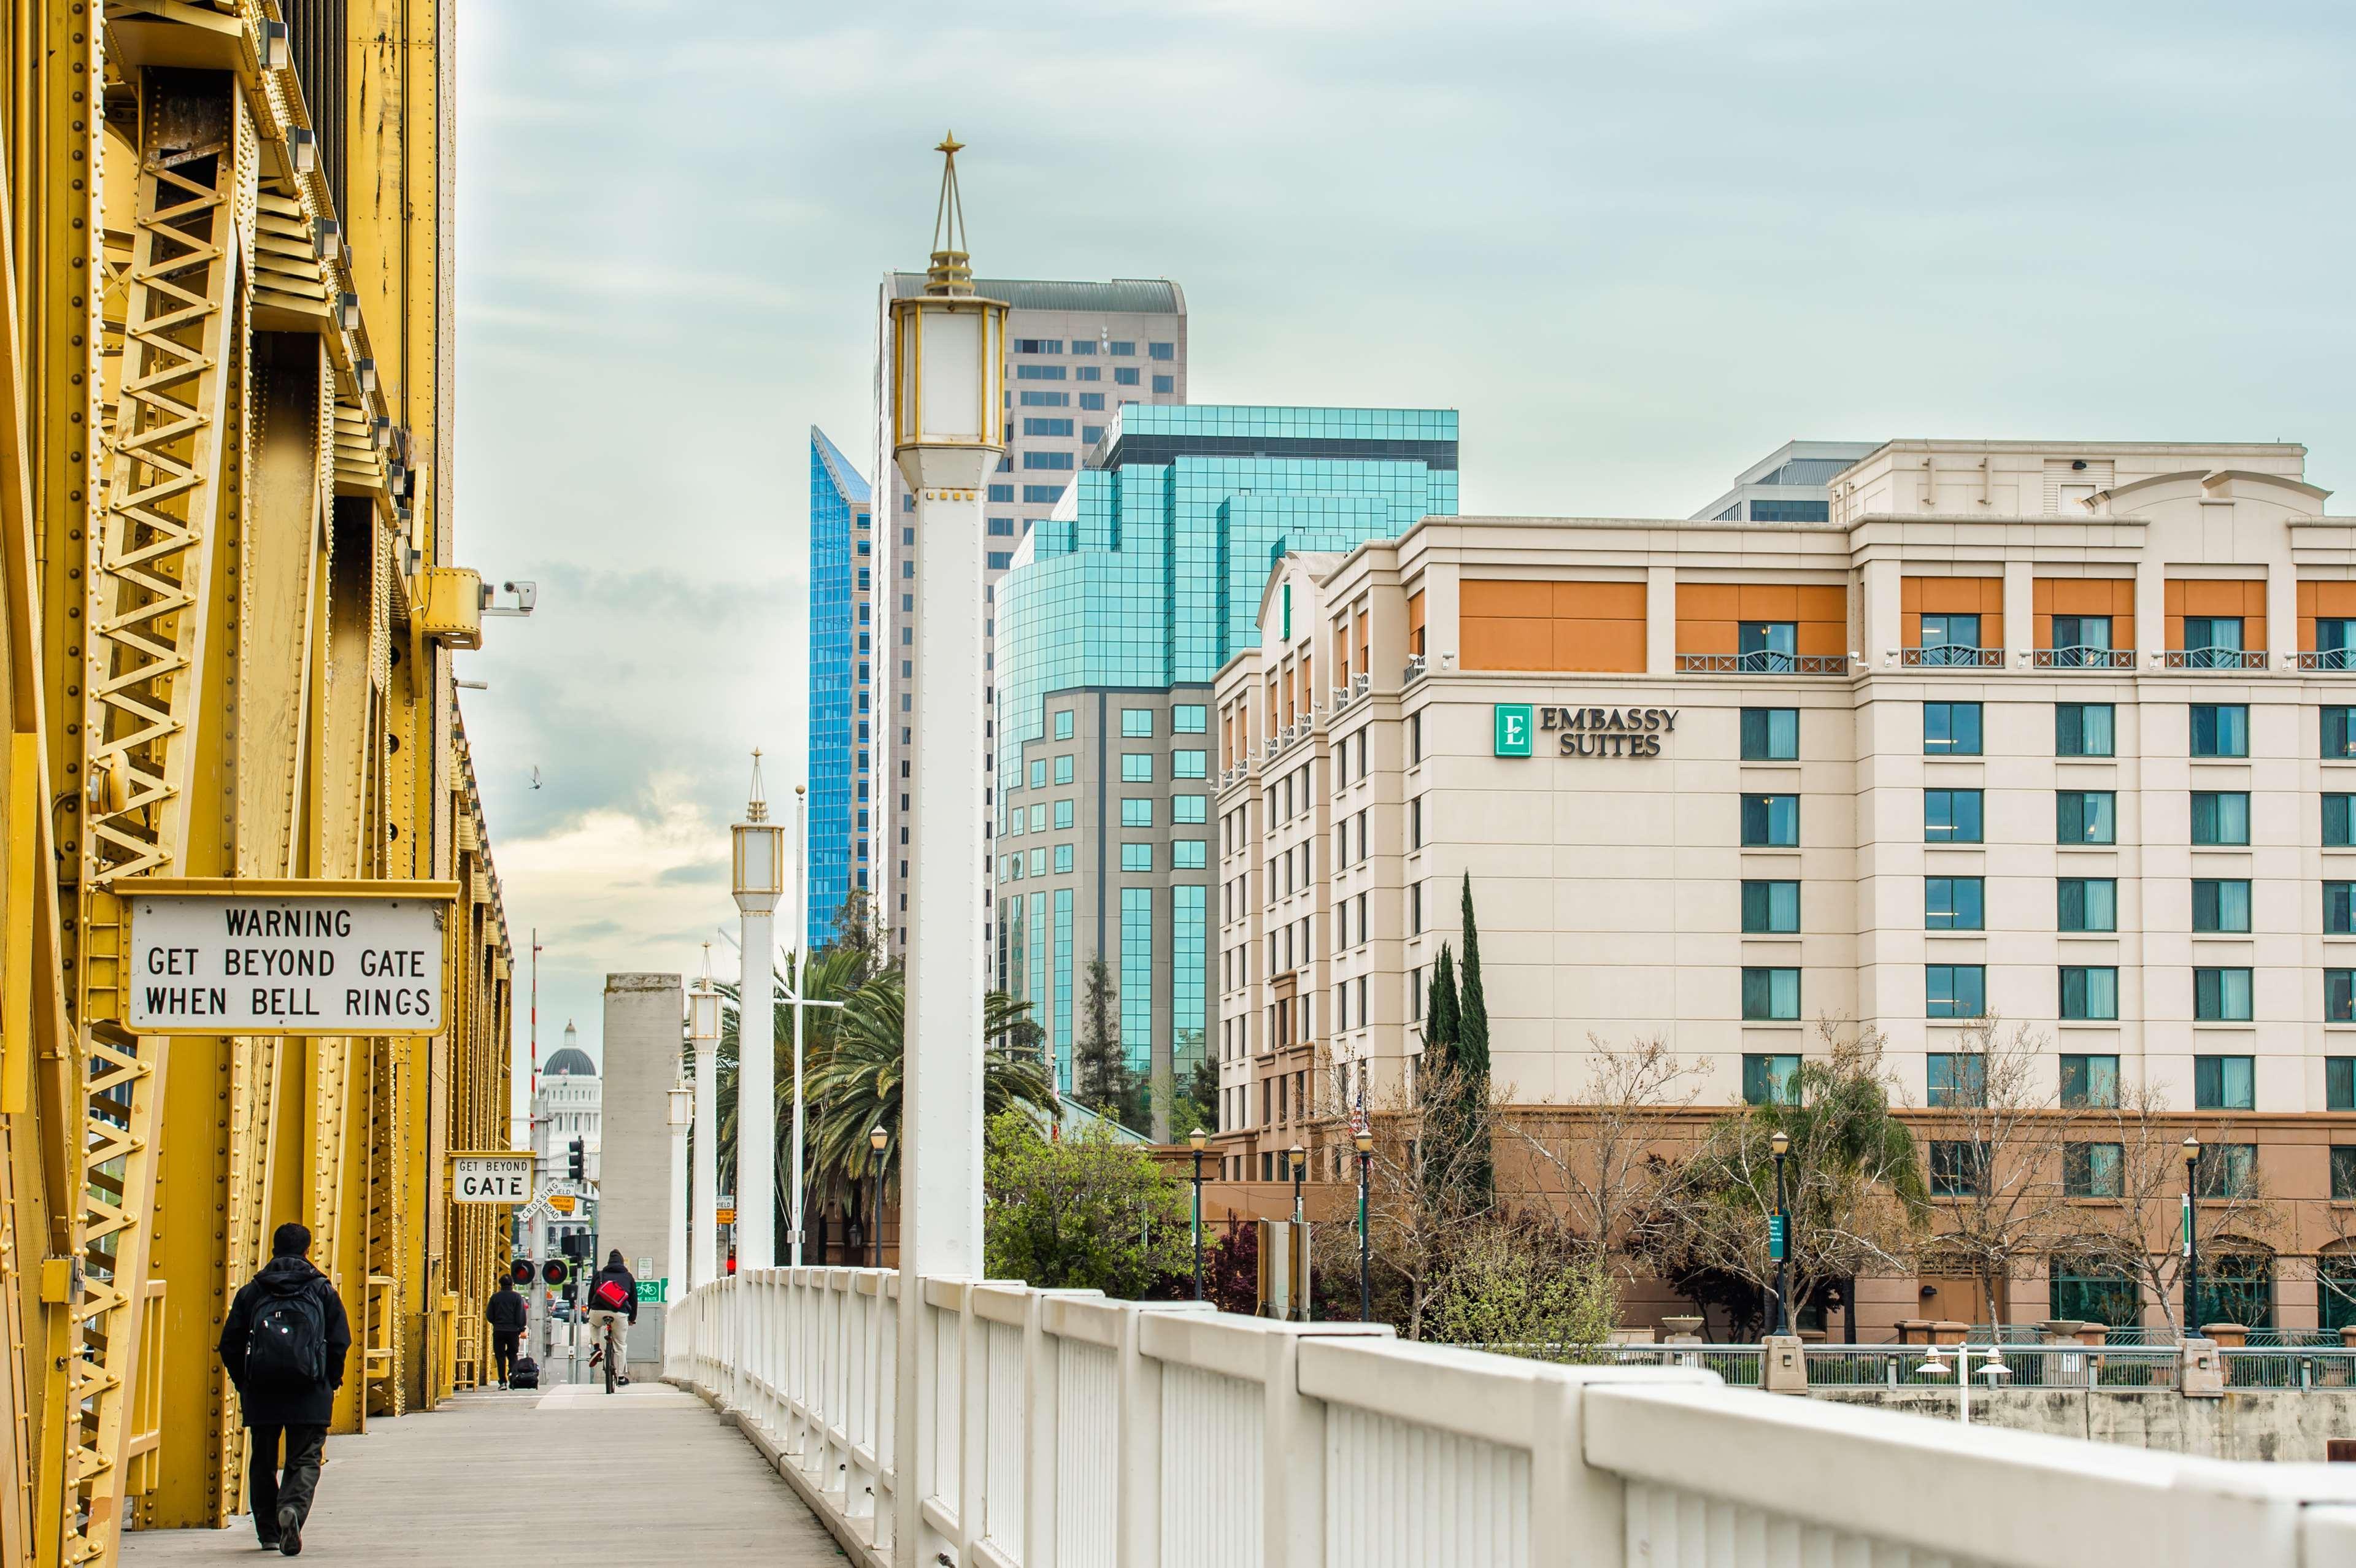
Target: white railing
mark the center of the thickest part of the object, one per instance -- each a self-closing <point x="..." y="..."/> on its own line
<point x="1058" y="1429"/>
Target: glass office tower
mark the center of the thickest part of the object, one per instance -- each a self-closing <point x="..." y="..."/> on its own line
<point x="842" y="563"/>
<point x="1114" y="618"/>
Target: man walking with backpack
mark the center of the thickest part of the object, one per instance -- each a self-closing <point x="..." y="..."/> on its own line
<point x="506" y="1315"/>
<point x="284" y="1345"/>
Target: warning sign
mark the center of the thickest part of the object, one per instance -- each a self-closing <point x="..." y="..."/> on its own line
<point x="501" y="1176"/>
<point x="235" y="956"/>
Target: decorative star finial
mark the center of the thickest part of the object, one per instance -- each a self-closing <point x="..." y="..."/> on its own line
<point x="949" y="144"/>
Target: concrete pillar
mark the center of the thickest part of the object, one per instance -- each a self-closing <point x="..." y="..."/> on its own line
<point x="2020" y="613"/>
<point x="1661" y="620"/>
<point x="641" y="1064"/>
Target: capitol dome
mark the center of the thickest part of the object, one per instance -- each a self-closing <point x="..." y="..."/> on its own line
<point x="568" y="1062"/>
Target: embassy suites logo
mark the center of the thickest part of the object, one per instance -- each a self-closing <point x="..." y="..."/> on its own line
<point x="1582" y="731"/>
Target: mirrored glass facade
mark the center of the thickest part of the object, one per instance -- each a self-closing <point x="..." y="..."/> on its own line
<point x="841" y="658"/>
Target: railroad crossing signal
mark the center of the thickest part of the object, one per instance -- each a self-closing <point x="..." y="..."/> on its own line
<point x="554" y="1271"/>
<point x="520" y="1271"/>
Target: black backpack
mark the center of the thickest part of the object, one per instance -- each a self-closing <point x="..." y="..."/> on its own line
<point x="287" y="1350"/>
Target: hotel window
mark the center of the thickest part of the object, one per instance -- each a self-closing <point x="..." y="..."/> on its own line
<point x="1955" y="1078"/>
<point x="1164" y="385"/>
<point x="2090" y="1083"/>
<point x="2090" y="993"/>
<point x="1042" y="495"/>
<point x="1126" y="376"/>
<point x="1001" y="527"/>
<point x="1189" y="719"/>
<point x="1770" y="906"/>
<point x="2083" y="728"/>
<point x="2221" y="995"/>
<point x="1770" y="1080"/>
<point x="1766" y="646"/>
<point x="1189" y="764"/>
<point x="2073" y="634"/>
<point x="1189" y="808"/>
<point x="2209" y="640"/>
<point x="2224" y="1171"/>
<point x="1770" y="821"/>
<point x="1414" y="739"/>
<point x="1039" y="818"/>
<point x="2335" y="643"/>
<point x="1064" y="724"/>
<point x="1086" y="373"/>
<point x="1958" y="1169"/>
<point x="1162" y="350"/>
<point x="1062" y="860"/>
<point x="1137" y="767"/>
<point x="1039" y="774"/>
<point x="1092" y="402"/>
<point x="1003" y="494"/>
<point x="1063" y="813"/>
<point x="1414" y="823"/>
<point x="2225" y="905"/>
<point x="2087" y="903"/>
<point x="1771" y="995"/>
<point x="2343" y="1185"/>
<point x="1954" y="990"/>
<point x="1038" y="372"/>
<point x="1121" y="350"/>
<point x="1038" y="345"/>
<point x="2090" y="1170"/>
<point x="1950" y="639"/>
<point x="2223" y="729"/>
<point x="2339" y="908"/>
<point x="1951" y="729"/>
<point x="1951" y="817"/>
<point x="2339" y="733"/>
<point x="2339" y="996"/>
<point x="1137" y="856"/>
<point x="1954" y="903"/>
<point x="1038" y="862"/>
<point x="1137" y="723"/>
<point x="1137" y="811"/>
<point x="2339" y="822"/>
<point x="1048" y="427"/>
<point x="2085" y="817"/>
<point x="1186" y="854"/>
<point x="1046" y="401"/>
<point x="1770" y="734"/>
<point x="2224" y="1082"/>
<point x="1063" y="770"/>
<point x="1037" y="460"/>
<point x="2222" y="816"/>
<point x="2339" y="1082"/>
<point x="1414" y="908"/>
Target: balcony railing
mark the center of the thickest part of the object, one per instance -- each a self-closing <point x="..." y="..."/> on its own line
<point x="2215" y="659"/>
<point x="2083" y="658"/>
<point x="1954" y="655"/>
<point x="1762" y="663"/>
<point x="1414" y="669"/>
<point x="2327" y="659"/>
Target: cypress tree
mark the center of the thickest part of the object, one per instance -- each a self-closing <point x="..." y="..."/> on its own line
<point x="1472" y="1010"/>
<point x="1439" y="1013"/>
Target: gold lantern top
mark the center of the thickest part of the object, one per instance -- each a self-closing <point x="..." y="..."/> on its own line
<point x="757" y="858"/>
<point x="949" y="344"/>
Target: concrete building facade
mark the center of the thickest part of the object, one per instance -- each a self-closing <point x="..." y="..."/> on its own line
<point x="2060" y="733"/>
<point x="644" y="1022"/>
<point x="1078" y="352"/>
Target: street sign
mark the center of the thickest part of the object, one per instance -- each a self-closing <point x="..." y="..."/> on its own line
<point x="238" y="956"/>
<point x="562" y="1202"/>
<point x="1775" y="1238"/>
<point x="724" y="1216"/>
<point x="655" y="1290"/>
<point x="500" y="1177"/>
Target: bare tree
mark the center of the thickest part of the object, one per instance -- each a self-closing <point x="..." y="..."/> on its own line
<point x="1427" y="1193"/>
<point x="1619" y="1149"/>
<point x="2006" y="1156"/>
<point x="2138" y="1237"/>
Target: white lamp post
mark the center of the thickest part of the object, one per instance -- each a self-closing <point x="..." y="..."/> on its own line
<point x="758" y="879"/>
<point x="703" y="1030"/>
<point x="949" y="426"/>
<point x="682" y="1109"/>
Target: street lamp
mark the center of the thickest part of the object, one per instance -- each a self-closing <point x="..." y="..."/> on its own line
<point x="1297" y="1274"/>
<point x="1198" y="1138"/>
<point x="703" y="1032"/>
<point x="757" y="879"/>
<point x="683" y="1112"/>
<point x="1365" y="1142"/>
<point x="875" y="1140"/>
<point x="2192" y="1237"/>
<point x="1782" y="1145"/>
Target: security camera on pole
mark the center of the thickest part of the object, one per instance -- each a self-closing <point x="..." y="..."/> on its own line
<point x="703" y="1033"/>
<point x="949" y="427"/>
<point x="758" y="879"/>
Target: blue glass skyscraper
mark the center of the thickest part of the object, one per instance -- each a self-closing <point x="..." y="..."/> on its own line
<point x="843" y="555"/>
<point x="1114" y="618"/>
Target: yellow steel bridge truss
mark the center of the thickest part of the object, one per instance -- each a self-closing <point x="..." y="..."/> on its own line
<point x="226" y="542"/>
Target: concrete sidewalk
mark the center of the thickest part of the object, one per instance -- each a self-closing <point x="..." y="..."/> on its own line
<point x="647" y="1477"/>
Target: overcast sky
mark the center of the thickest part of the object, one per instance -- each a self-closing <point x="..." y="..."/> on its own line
<point x="1639" y="243"/>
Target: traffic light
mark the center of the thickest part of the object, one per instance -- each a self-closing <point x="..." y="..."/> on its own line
<point x="520" y="1271"/>
<point x="576" y="1160"/>
<point x="553" y="1271"/>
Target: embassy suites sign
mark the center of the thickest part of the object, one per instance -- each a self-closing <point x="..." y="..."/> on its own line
<point x="1581" y="732"/>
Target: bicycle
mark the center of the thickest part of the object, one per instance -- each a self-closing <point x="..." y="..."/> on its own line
<point x="608" y="1349"/>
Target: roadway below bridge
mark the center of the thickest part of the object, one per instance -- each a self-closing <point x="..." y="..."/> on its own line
<point x="648" y="1477"/>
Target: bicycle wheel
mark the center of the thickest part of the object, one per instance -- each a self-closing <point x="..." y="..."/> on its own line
<point x="611" y="1349"/>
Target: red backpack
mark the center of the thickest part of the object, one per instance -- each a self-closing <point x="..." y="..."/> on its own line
<point x="610" y="1295"/>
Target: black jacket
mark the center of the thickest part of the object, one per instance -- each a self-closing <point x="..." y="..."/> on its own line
<point x="630" y="1285"/>
<point x="311" y="1407"/>
<point x="507" y="1311"/>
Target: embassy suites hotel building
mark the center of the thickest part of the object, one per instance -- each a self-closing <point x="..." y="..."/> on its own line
<point x="2062" y="733"/>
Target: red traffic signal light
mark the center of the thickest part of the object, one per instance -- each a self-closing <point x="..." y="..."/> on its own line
<point x="553" y="1271"/>
<point x="520" y="1271"/>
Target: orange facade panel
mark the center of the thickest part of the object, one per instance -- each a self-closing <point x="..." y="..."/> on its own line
<point x="2085" y="596"/>
<point x="2240" y="598"/>
<point x="1709" y="615"/>
<point x="1415" y="622"/>
<point x="1597" y="626"/>
<point x="1981" y="596"/>
<point x="2323" y="600"/>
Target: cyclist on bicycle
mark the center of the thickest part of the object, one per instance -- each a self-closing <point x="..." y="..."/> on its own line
<point x="613" y="1298"/>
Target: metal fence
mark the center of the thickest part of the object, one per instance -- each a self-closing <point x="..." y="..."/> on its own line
<point x="2304" y="1361"/>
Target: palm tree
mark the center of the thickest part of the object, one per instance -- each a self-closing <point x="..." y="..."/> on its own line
<point x="830" y="975"/>
<point x="858" y="1088"/>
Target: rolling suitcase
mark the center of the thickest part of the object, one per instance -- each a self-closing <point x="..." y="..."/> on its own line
<point x="524" y="1373"/>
